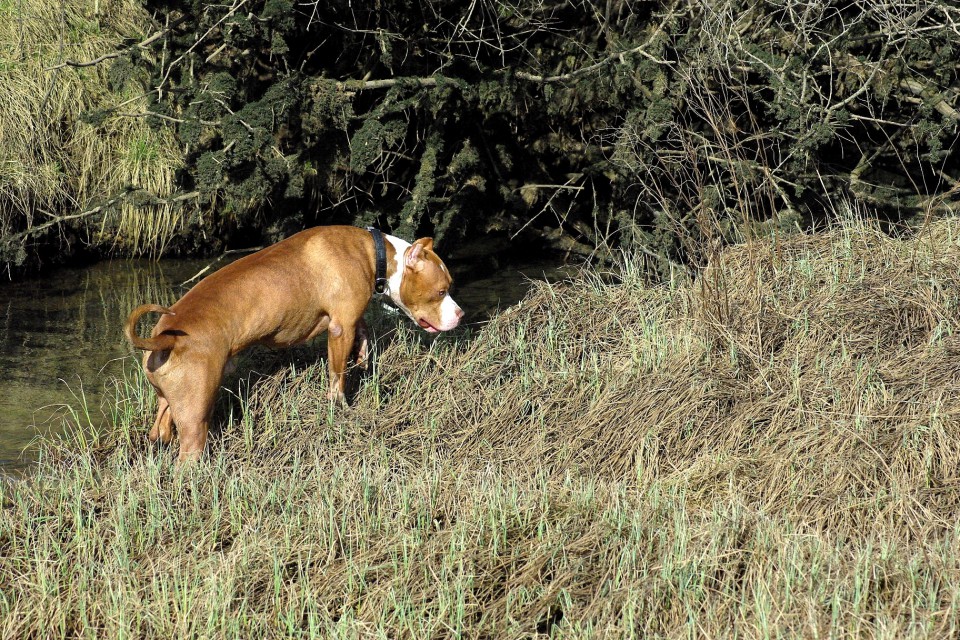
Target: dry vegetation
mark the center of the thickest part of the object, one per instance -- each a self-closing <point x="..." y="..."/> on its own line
<point x="770" y="450"/>
<point x="61" y="155"/>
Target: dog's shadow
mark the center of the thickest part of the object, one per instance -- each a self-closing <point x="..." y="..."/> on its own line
<point x="259" y="364"/>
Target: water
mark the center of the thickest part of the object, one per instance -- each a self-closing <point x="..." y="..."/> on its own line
<point x="61" y="337"/>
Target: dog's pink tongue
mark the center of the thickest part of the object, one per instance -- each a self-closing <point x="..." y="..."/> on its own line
<point x="426" y="325"/>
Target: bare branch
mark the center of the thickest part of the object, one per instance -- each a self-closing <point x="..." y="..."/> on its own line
<point x="154" y="114"/>
<point x="930" y="94"/>
<point x="619" y="55"/>
<point x="144" y="44"/>
<point x="166" y="76"/>
<point x="89" y="212"/>
<point x="386" y="83"/>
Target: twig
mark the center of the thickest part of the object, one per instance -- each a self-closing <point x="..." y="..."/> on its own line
<point x="166" y="75"/>
<point x="210" y="266"/>
<point x="59" y="219"/>
<point x="154" y="114"/>
<point x="116" y="54"/>
<point x="863" y="88"/>
<point x="351" y="86"/>
<point x="386" y="83"/>
<point x="636" y="244"/>
<point x="929" y="94"/>
<point x="230" y="111"/>
<point x="557" y="189"/>
<point x="362" y="85"/>
<point x="523" y="75"/>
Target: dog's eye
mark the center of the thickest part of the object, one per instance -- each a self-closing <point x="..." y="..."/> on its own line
<point x="442" y="293"/>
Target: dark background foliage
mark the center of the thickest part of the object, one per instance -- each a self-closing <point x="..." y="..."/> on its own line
<point x="671" y="128"/>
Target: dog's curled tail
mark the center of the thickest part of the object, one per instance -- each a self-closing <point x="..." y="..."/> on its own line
<point x="162" y="342"/>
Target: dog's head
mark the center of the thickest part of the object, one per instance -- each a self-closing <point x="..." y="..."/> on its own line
<point x="425" y="289"/>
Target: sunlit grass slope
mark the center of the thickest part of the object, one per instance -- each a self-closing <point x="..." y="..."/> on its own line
<point x="768" y="451"/>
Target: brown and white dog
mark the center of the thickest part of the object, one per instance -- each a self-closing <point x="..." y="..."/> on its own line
<point x="318" y="280"/>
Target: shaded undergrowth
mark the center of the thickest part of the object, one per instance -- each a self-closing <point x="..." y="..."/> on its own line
<point x="769" y="450"/>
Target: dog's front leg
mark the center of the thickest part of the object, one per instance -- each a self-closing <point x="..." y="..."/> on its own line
<point x="339" y="346"/>
<point x="361" y="345"/>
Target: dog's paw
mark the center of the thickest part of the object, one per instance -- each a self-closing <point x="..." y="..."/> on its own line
<point x="336" y="396"/>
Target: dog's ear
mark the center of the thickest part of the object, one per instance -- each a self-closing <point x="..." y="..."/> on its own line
<point x="414" y="258"/>
<point x="426" y="243"/>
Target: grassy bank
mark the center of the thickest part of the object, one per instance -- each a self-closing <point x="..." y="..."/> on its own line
<point x="770" y="451"/>
<point x="73" y="137"/>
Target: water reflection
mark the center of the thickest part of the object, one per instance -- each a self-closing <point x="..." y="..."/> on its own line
<point x="62" y="335"/>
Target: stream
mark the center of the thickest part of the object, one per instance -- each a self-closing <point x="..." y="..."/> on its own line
<point x="62" y="344"/>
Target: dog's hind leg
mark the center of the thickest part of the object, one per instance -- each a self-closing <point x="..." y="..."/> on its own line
<point x="162" y="428"/>
<point x="192" y="408"/>
<point x="153" y="363"/>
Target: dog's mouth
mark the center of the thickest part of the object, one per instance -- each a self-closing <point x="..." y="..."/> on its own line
<point x="427" y="326"/>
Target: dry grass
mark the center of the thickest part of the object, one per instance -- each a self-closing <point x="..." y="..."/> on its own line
<point x="769" y="451"/>
<point x="52" y="162"/>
